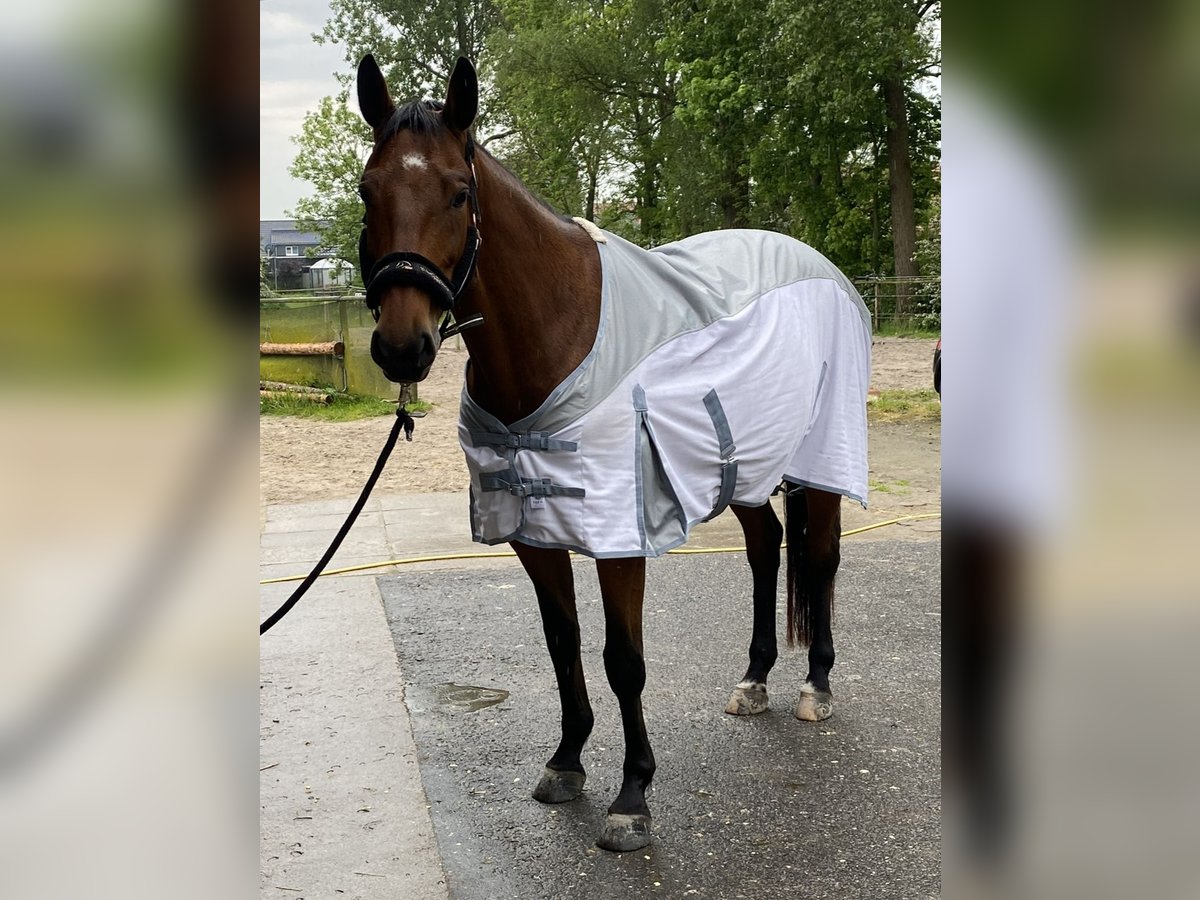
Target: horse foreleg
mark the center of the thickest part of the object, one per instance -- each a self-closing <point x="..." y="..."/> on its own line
<point x="763" y="534"/>
<point x="622" y="585"/>
<point x="554" y="583"/>
<point x="817" y="564"/>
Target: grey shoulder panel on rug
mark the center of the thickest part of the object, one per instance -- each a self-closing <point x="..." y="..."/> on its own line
<point x="650" y="297"/>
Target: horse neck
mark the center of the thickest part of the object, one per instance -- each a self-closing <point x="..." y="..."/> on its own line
<point x="537" y="285"/>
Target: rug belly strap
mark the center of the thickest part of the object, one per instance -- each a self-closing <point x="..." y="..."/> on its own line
<point x="529" y="440"/>
<point x="526" y="487"/>
<point x="729" y="463"/>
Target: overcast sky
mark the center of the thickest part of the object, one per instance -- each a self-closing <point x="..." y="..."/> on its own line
<point x="295" y="73"/>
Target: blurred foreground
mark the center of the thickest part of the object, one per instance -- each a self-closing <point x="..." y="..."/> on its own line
<point x="127" y="511"/>
<point x="1071" y="347"/>
<point x="1071" y="297"/>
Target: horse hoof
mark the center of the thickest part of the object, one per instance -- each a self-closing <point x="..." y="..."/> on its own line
<point x="623" y="833"/>
<point x="559" y="787"/>
<point x="814" y="705"/>
<point x="749" y="699"/>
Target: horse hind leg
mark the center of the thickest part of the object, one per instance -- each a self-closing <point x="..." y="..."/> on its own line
<point x="763" y="534"/>
<point x="554" y="584"/>
<point x="814" y="524"/>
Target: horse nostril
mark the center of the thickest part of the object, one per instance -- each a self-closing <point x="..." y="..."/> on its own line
<point x="378" y="353"/>
<point x="428" y="349"/>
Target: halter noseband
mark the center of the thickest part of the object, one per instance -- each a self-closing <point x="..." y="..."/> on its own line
<point x="406" y="267"/>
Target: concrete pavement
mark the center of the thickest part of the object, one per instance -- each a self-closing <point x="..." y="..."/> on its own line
<point x="344" y="804"/>
<point x="766" y="806"/>
<point x="342" y="807"/>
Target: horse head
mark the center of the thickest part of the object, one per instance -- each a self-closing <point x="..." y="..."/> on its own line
<point x="419" y="240"/>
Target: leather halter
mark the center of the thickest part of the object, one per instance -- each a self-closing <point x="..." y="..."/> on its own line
<point x="406" y="267"/>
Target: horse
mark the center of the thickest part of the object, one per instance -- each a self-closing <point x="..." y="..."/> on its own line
<point x="535" y="294"/>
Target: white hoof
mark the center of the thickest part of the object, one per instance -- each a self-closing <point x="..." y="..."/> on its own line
<point x="749" y="699"/>
<point x="813" y="705"/>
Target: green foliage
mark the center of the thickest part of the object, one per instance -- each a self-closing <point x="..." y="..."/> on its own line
<point x="928" y="297"/>
<point x="587" y="93"/>
<point x="334" y="143"/>
<point x="663" y="118"/>
<point x="264" y="278"/>
<point x="416" y="42"/>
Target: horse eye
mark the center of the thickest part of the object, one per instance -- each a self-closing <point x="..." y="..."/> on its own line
<point x="460" y="199"/>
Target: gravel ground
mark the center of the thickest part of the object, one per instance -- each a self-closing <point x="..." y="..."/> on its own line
<point x="304" y="459"/>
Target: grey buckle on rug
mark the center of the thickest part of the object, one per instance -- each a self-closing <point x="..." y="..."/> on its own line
<point x="526" y="487"/>
<point x="529" y="440"/>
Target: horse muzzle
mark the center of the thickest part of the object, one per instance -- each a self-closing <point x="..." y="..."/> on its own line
<point x="407" y="362"/>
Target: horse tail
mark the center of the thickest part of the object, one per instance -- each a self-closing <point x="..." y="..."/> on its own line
<point x="800" y="596"/>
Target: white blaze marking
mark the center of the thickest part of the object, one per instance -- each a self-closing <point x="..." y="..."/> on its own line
<point x="414" y="161"/>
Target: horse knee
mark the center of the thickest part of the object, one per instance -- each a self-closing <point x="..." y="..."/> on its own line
<point x="562" y="637"/>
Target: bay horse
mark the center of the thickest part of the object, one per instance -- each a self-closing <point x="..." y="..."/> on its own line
<point x="545" y="292"/>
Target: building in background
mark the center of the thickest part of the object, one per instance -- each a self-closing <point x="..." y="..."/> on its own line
<point x="295" y="260"/>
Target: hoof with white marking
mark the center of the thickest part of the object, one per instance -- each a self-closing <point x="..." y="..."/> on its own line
<point x="623" y="833"/>
<point x="559" y="787"/>
<point x="749" y="699"/>
<point x="814" y="705"/>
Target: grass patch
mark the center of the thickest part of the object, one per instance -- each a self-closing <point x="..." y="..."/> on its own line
<point x="341" y="407"/>
<point x="905" y="406"/>
<point x="902" y="329"/>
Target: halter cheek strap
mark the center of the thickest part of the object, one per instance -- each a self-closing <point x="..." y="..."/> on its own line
<point x="412" y="269"/>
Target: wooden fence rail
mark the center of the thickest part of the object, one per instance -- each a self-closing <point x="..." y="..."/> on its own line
<point x="324" y="348"/>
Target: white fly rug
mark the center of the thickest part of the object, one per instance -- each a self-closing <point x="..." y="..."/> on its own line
<point x="723" y="364"/>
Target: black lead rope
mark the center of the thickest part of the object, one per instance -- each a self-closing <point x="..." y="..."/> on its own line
<point x="403" y="421"/>
<point x="403" y="268"/>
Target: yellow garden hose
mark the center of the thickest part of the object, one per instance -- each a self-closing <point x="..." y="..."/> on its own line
<point x="508" y="554"/>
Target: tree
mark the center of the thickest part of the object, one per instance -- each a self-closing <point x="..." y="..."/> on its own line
<point x="928" y="296"/>
<point x="334" y="143"/>
<point x="560" y="135"/>
<point x="786" y="124"/>
<point x="861" y="63"/>
<point x="589" y="76"/>
<point x="416" y="42"/>
<point x="662" y="118"/>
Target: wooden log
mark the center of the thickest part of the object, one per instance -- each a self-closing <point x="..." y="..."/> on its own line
<point x="293" y="395"/>
<point x="286" y="386"/>
<point x="324" y="348"/>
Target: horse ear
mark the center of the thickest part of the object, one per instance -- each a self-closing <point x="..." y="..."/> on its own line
<point x="462" y="96"/>
<point x="373" y="97"/>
